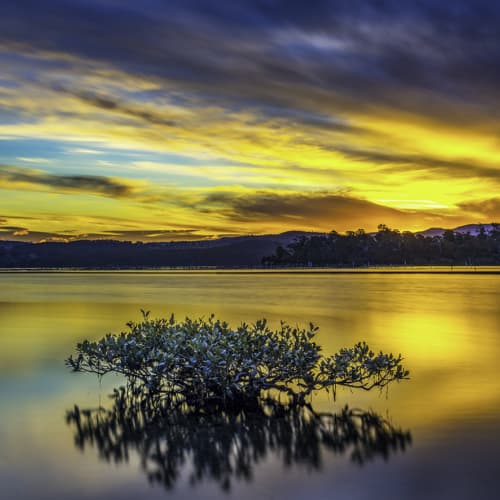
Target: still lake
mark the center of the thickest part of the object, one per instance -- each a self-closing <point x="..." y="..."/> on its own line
<point x="447" y="326"/>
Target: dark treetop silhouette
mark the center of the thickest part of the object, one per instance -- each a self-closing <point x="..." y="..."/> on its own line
<point x="390" y="247"/>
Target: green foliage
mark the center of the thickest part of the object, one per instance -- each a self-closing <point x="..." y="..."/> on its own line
<point x="205" y="362"/>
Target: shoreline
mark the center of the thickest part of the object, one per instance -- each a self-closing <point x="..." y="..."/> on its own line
<point x="253" y="271"/>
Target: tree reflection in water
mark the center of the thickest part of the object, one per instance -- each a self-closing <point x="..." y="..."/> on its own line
<point x="225" y="444"/>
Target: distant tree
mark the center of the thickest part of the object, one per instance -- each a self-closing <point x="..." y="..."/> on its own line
<point x="391" y="247"/>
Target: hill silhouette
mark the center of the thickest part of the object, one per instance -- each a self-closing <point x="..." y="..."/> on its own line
<point x="244" y="251"/>
<point x="467" y="245"/>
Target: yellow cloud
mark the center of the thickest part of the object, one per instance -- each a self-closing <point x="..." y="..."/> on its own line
<point x="421" y="170"/>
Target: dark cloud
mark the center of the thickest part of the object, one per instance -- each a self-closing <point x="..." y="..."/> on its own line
<point x="423" y="166"/>
<point x="10" y="229"/>
<point x="433" y="58"/>
<point x="100" y="185"/>
<point x="108" y="103"/>
<point x="321" y="210"/>
<point x="293" y="205"/>
<point x="5" y="228"/>
<point x="488" y="209"/>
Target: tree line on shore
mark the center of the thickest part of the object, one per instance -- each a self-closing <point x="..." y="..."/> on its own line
<point x="352" y="249"/>
<point x="390" y="247"/>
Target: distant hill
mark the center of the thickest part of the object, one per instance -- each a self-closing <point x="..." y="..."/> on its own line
<point x="472" y="229"/>
<point x="241" y="251"/>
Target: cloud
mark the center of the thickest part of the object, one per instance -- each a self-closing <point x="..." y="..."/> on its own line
<point x="319" y="68"/>
<point x="13" y="229"/>
<point x="14" y="233"/>
<point x="102" y="226"/>
<point x="334" y="56"/>
<point x="263" y="212"/>
<point x="111" y="104"/>
<point x="84" y="151"/>
<point x="33" y="160"/>
<point x="150" y="235"/>
<point x="12" y="177"/>
<point x="488" y="209"/>
<point x="320" y="210"/>
<point x="422" y="165"/>
<point x="293" y="205"/>
<point x="388" y="97"/>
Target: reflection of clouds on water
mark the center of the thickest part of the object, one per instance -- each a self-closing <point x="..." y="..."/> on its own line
<point x="226" y="445"/>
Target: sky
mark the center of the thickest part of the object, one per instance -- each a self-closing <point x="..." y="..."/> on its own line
<point x="159" y="120"/>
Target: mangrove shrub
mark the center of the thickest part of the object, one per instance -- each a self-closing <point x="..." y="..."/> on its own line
<point x="204" y="362"/>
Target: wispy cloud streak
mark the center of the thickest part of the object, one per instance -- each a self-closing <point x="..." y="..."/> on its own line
<point x="18" y="177"/>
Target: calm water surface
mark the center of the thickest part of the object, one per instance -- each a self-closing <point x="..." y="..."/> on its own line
<point x="447" y="326"/>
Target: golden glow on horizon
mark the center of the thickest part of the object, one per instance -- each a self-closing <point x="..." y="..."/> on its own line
<point x="417" y="170"/>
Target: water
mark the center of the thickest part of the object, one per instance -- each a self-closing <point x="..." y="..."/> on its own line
<point x="446" y="325"/>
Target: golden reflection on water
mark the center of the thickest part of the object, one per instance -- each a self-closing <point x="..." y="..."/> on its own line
<point x="446" y="326"/>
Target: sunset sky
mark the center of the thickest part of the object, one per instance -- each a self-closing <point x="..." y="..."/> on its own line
<point x="186" y="119"/>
